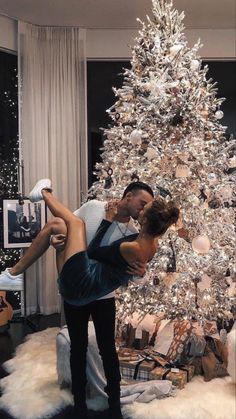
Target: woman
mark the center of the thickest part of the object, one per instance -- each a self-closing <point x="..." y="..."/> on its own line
<point x="80" y="279"/>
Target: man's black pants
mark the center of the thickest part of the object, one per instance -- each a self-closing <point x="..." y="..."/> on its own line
<point x="103" y="314"/>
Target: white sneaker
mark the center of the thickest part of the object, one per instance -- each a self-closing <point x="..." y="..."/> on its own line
<point x="36" y="194"/>
<point x="11" y="282"/>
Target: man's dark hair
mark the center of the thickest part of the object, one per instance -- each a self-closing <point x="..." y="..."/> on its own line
<point x="136" y="186"/>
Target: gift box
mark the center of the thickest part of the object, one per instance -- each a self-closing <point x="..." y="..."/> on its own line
<point x="129" y="354"/>
<point x="190" y="371"/>
<point x="136" y="370"/>
<point x="135" y="337"/>
<point x="177" y="376"/>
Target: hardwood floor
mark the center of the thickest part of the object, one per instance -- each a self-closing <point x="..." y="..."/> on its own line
<point x="10" y="339"/>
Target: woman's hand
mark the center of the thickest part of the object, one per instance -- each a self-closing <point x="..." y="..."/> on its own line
<point x="137" y="268"/>
<point x="58" y="241"/>
<point x="111" y="210"/>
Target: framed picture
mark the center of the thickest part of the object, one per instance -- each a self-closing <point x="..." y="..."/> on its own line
<point x="22" y="222"/>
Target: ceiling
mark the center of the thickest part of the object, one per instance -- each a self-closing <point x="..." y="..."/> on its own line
<point x="215" y="14"/>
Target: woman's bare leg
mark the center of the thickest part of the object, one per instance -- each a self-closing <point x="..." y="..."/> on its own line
<point x="39" y="246"/>
<point x="76" y="235"/>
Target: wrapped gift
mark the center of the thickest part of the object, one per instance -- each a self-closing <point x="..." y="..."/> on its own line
<point x="135" y="337"/>
<point x="177" y="376"/>
<point x="129" y="354"/>
<point x="137" y="370"/>
<point x="161" y="361"/>
<point x="190" y="371"/>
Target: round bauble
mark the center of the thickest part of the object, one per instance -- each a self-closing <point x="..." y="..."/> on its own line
<point x="175" y="49"/>
<point x="219" y="114"/>
<point x="201" y="244"/>
<point x="136" y="137"/>
<point x="151" y="153"/>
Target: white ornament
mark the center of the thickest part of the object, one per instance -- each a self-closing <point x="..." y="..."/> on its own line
<point x="136" y="137"/>
<point x="212" y="179"/>
<point x="201" y="244"/>
<point x="205" y="283"/>
<point x="182" y="170"/>
<point x="219" y="114"/>
<point x="151" y="153"/>
<point x="194" y="65"/>
<point x="175" y="49"/>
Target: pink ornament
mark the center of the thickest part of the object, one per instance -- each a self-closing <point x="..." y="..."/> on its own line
<point x="201" y="244"/>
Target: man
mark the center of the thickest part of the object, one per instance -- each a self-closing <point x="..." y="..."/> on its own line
<point x="102" y="311"/>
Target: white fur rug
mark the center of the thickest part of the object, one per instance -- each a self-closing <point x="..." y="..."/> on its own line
<point x="31" y="390"/>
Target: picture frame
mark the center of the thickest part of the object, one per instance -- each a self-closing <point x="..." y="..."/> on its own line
<point x="22" y="222"/>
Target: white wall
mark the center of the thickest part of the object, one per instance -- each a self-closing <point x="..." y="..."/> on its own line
<point x="114" y="44"/>
<point x="107" y="43"/>
<point x="8" y="33"/>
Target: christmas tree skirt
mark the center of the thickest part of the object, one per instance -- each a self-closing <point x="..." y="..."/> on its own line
<point x="31" y="390"/>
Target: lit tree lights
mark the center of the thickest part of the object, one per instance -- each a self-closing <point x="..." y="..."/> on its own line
<point x="166" y="132"/>
<point x="9" y="157"/>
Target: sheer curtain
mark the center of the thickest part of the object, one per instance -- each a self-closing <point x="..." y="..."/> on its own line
<point x="53" y="132"/>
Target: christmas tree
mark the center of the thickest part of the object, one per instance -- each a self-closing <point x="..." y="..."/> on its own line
<point x="166" y="132"/>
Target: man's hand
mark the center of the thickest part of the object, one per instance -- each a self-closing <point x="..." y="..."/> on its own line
<point x="111" y="209"/>
<point x="137" y="269"/>
<point x="58" y="241"/>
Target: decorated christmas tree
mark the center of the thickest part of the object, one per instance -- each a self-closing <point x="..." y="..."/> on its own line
<point x="166" y="132"/>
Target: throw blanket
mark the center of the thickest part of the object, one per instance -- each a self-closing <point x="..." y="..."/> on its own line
<point x="138" y="391"/>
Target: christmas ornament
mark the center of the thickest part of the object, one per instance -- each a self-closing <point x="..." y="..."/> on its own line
<point x="201" y="244"/>
<point x="136" y="137"/>
<point x="219" y="114"/>
<point x="108" y="179"/>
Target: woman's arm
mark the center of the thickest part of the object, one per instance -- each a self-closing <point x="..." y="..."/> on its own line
<point x="96" y="241"/>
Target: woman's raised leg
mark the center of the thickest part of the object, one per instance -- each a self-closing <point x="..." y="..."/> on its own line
<point x="76" y="235"/>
